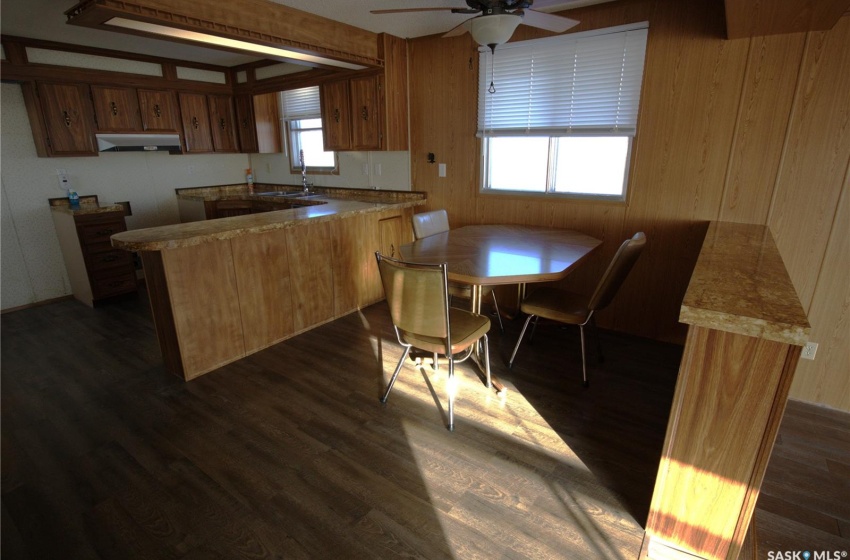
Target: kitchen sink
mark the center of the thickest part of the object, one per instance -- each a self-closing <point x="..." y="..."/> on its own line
<point x="279" y="193"/>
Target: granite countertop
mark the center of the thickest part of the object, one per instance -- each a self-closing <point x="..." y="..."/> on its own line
<point x="88" y="205"/>
<point x="328" y="204"/>
<point x="740" y="285"/>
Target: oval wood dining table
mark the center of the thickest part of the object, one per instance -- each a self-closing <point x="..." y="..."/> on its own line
<point x="492" y="255"/>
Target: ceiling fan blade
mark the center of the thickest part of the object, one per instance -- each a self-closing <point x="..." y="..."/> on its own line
<point x="549" y="22"/>
<point x="405" y="10"/>
<point x="457" y="30"/>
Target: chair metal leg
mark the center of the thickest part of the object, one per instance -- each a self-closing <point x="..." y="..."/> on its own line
<point x="395" y="374"/>
<point x="583" y="361"/>
<point x="487" y="361"/>
<point x="513" y="354"/>
<point x="450" y="385"/>
<point x="533" y="330"/>
<point x="498" y="315"/>
<point x="599" y="355"/>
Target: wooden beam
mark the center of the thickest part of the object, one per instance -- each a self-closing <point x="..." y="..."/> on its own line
<point x="745" y="18"/>
<point x="256" y="21"/>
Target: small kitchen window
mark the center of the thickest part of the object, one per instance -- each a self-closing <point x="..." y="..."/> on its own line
<point x="303" y="124"/>
<point x="557" y="116"/>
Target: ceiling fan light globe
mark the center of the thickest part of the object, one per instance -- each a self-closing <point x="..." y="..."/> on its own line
<point x="494" y="29"/>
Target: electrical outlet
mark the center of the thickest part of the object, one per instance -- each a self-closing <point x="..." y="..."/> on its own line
<point x="378" y="169"/>
<point x="191" y="169"/>
<point x="809" y="351"/>
<point x="64" y="181"/>
<point x="365" y="169"/>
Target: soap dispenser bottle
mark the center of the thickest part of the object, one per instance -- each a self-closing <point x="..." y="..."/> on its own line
<point x="73" y="199"/>
<point x="249" y="178"/>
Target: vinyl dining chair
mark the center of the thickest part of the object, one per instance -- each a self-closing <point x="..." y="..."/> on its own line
<point x="417" y="295"/>
<point x="426" y="224"/>
<point x="575" y="309"/>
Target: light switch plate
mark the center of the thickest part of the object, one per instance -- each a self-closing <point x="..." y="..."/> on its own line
<point x="442" y="170"/>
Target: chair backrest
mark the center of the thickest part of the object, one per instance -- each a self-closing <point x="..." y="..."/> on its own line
<point x="430" y="223"/>
<point x="619" y="268"/>
<point x="417" y="295"/>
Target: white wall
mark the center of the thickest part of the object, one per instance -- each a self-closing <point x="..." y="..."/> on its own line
<point x="31" y="261"/>
<point x="358" y="170"/>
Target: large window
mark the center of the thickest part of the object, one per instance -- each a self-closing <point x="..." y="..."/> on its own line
<point x="303" y="122"/>
<point x="557" y="116"/>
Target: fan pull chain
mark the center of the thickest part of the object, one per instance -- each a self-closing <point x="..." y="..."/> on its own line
<point x="492" y="88"/>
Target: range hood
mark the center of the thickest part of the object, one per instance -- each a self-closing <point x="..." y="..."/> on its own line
<point x="139" y="143"/>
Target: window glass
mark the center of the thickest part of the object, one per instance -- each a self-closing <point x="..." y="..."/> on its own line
<point x="563" y="112"/>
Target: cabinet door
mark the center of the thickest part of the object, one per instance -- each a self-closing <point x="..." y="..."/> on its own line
<point x="68" y="118"/>
<point x="392" y="236"/>
<point x="365" y="118"/>
<point x="116" y="109"/>
<point x="245" y="124"/>
<point x="336" y="119"/>
<point x="267" y="121"/>
<point x="196" y="123"/>
<point x="222" y="121"/>
<point x="159" y="110"/>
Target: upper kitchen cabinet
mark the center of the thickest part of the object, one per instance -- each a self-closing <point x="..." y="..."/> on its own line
<point x="159" y="110"/>
<point x="258" y="123"/>
<point x="369" y="112"/>
<point x="61" y="117"/>
<point x="116" y="109"/>
<point x="195" y="116"/>
<point x="336" y="115"/>
<point x="222" y="123"/>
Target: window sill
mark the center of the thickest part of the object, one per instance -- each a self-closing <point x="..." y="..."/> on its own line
<point x="556" y="197"/>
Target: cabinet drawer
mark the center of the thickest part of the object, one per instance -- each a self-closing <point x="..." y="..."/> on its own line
<point x="110" y="285"/>
<point x="99" y="232"/>
<point x="106" y="260"/>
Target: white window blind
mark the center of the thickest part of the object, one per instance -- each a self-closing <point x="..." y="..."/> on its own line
<point x="302" y="103"/>
<point x="576" y="84"/>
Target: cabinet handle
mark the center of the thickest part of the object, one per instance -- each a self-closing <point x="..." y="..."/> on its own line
<point x="392" y="249"/>
<point x="336" y="115"/>
<point x="157" y="111"/>
<point x="109" y="258"/>
<point x="245" y="122"/>
<point x="113" y="107"/>
<point x="116" y="284"/>
<point x="221" y="123"/>
<point x="67" y="118"/>
<point x="195" y="123"/>
<point x="105" y="232"/>
<point x="365" y="113"/>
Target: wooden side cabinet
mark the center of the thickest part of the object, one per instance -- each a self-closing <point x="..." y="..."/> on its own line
<point x="258" y="123"/>
<point x="116" y="109"/>
<point x="61" y="117"/>
<point x="97" y="271"/>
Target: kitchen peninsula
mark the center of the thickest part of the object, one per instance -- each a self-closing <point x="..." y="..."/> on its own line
<point x="225" y="288"/>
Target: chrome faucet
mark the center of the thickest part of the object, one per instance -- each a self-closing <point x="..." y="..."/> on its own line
<point x="304" y="182"/>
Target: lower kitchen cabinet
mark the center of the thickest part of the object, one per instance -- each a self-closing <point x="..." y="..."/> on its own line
<point x="97" y="271"/>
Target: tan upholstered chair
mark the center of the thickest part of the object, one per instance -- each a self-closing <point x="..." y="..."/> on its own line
<point x="417" y="295"/>
<point x="568" y="307"/>
<point x="431" y="223"/>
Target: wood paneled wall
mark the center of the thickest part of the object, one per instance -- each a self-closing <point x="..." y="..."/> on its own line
<point x="748" y="130"/>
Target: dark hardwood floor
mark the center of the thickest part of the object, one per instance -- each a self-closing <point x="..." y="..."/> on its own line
<point x="289" y="454"/>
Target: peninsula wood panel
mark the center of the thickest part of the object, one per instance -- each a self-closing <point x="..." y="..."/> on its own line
<point x="310" y="251"/>
<point x="355" y="241"/>
<point x="721" y="135"/>
<point x="203" y="294"/>
<point x="156" y="284"/>
<point x="262" y="276"/>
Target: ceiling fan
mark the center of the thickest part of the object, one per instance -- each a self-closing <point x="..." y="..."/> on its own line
<point x="498" y="19"/>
